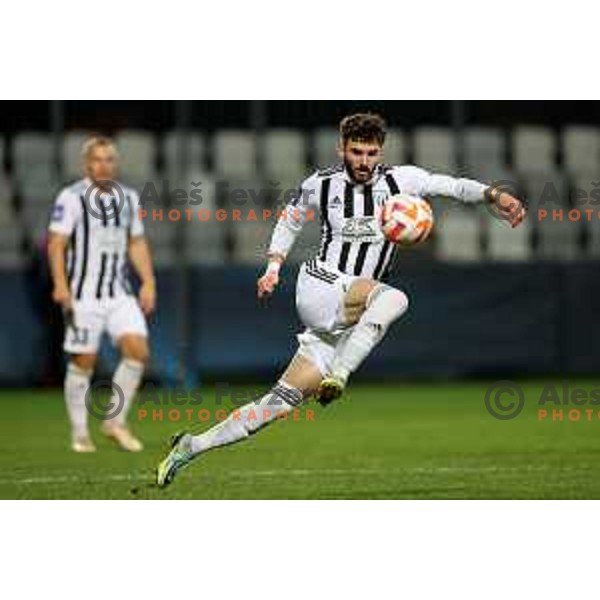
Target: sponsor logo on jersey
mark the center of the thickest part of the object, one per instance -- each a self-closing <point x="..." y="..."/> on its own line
<point x="361" y="229"/>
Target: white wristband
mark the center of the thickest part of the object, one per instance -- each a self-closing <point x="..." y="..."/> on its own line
<point x="273" y="267"/>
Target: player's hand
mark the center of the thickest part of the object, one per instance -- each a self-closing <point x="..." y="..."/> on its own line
<point x="266" y="284"/>
<point x="147" y="298"/>
<point x="513" y="209"/>
<point x="61" y="294"/>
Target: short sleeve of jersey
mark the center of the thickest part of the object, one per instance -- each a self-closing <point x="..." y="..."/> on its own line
<point x="137" y="225"/>
<point x="65" y="213"/>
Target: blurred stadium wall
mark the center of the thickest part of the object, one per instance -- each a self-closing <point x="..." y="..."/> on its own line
<point x="486" y="300"/>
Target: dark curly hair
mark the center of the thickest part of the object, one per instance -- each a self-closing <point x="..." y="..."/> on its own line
<point x="363" y="127"/>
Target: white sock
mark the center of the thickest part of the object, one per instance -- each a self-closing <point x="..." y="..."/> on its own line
<point x="249" y="418"/>
<point x="77" y="383"/>
<point x="385" y="304"/>
<point x="127" y="377"/>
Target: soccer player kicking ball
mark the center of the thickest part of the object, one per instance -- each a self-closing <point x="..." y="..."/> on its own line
<point x="340" y="294"/>
<point x="98" y="221"/>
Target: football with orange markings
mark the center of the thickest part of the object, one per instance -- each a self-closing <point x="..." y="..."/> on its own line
<point x="406" y="220"/>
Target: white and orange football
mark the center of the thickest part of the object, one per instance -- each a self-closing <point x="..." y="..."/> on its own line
<point x="406" y="220"/>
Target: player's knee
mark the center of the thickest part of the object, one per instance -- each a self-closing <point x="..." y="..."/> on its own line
<point x="398" y="302"/>
<point x="83" y="362"/>
<point x="387" y="303"/>
<point x="141" y="354"/>
<point x="359" y="292"/>
<point x="135" y="349"/>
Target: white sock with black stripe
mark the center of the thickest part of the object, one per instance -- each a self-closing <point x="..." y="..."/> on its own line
<point x="248" y="419"/>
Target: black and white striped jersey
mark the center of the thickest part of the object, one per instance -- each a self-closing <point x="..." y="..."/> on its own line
<point x="351" y="237"/>
<point x="99" y="226"/>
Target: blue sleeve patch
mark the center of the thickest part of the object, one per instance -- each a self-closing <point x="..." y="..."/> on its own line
<point x="58" y="213"/>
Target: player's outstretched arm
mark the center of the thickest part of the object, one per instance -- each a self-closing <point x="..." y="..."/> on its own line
<point x="302" y="208"/>
<point x="139" y="255"/>
<point x="427" y="184"/>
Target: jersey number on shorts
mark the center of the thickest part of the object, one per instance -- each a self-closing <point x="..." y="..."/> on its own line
<point x="79" y="335"/>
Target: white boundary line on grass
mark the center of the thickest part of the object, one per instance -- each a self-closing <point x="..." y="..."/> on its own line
<point x="276" y="473"/>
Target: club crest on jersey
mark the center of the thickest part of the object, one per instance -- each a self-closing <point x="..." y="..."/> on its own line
<point x="361" y="229"/>
<point x="58" y="213"/>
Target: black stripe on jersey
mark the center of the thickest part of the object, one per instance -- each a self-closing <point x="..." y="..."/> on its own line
<point x="394" y="189"/>
<point x="313" y="266"/>
<point x="113" y="205"/>
<point x="320" y="276"/>
<point x="113" y="275"/>
<point x="369" y="206"/>
<point x="103" y="209"/>
<point x="386" y="252"/>
<point x="344" y="256"/>
<point x="326" y="225"/>
<point x="73" y="257"/>
<point x="381" y="260"/>
<point x="131" y="215"/>
<point x="348" y="213"/>
<point x="85" y="249"/>
<point x="348" y="200"/>
<point x="361" y="257"/>
<point x="369" y="211"/>
<point x="312" y="269"/>
<point x="103" y="259"/>
<point x="330" y="277"/>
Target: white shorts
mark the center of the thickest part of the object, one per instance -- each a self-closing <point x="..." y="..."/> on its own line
<point x="116" y="316"/>
<point x="320" y="292"/>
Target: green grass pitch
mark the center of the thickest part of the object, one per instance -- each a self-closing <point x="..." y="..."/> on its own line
<point x="415" y="440"/>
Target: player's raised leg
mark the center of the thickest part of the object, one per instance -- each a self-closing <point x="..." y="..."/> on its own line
<point x="371" y="307"/>
<point x="125" y="383"/>
<point x="300" y="380"/>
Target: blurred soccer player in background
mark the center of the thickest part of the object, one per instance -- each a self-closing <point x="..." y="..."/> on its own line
<point x="341" y="296"/>
<point x="95" y="222"/>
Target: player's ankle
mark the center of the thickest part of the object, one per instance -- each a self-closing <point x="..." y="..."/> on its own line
<point x="111" y="425"/>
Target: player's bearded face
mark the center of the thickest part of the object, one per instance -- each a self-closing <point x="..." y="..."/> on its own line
<point x="360" y="159"/>
<point x="102" y="164"/>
